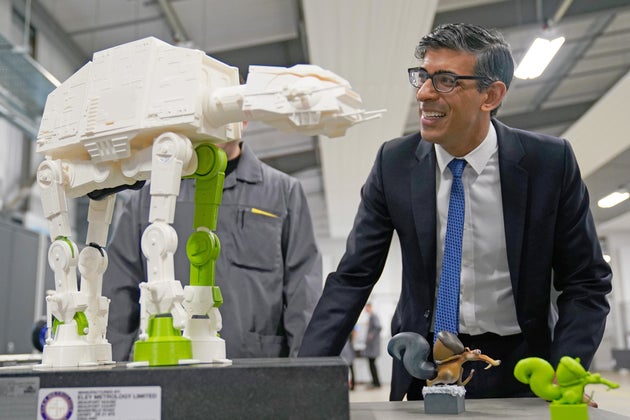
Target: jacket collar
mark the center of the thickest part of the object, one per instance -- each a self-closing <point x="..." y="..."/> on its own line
<point x="249" y="168"/>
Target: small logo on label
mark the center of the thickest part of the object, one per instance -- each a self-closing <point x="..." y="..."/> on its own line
<point x="56" y="406"/>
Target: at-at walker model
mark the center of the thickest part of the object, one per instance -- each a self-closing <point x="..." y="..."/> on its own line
<point x="147" y="110"/>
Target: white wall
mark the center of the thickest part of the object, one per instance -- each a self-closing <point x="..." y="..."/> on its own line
<point x="595" y="143"/>
<point x="617" y="333"/>
<point x="384" y="298"/>
<point x="374" y="45"/>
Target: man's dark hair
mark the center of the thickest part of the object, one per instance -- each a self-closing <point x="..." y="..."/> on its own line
<point x="494" y="58"/>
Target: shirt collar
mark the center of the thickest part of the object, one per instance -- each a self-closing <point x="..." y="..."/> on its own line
<point x="477" y="158"/>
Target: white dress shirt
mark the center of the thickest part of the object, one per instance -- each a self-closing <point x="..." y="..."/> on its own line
<point x="485" y="293"/>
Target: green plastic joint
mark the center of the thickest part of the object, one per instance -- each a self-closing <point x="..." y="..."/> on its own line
<point x="217" y="298"/>
<point x="210" y="174"/>
<point x="203" y="249"/>
<point x="80" y="319"/>
<point x="82" y="323"/>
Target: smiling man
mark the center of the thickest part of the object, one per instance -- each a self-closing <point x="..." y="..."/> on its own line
<point x="522" y="226"/>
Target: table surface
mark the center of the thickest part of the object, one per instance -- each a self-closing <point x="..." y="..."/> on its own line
<point x="505" y="408"/>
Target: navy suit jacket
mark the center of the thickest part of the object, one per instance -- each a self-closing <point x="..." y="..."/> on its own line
<point x="549" y="233"/>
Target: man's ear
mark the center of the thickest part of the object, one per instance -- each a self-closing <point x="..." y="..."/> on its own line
<point x="494" y="95"/>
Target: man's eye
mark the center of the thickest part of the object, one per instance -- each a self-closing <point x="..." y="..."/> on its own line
<point x="446" y="80"/>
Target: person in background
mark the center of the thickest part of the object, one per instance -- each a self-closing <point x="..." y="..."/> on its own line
<point x="527" y="226"/>
<point x="268" y="270"/>
<point x="373" y="344"/>
<point x="348" y="355"/>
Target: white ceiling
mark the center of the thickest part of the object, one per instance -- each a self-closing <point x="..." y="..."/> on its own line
<point x="596" y="55"/>
<point x="212" y="26"/>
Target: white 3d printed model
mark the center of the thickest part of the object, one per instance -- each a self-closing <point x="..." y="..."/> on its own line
<point x="136" y="112"/>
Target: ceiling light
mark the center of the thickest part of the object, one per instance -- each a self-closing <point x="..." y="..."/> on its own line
<point x="613" y="199"/>
<point x="538" y="57"/>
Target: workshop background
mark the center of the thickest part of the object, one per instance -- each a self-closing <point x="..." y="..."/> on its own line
<point x="582" y="95"/>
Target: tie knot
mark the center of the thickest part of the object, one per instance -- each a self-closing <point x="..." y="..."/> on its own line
<point x="457" y="167"/>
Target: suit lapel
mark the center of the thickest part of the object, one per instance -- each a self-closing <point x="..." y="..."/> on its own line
<point x="423" y="203"/>
<point x="514" y="181"/>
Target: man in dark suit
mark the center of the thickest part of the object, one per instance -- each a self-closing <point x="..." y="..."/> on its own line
<point x="527" y="226"/>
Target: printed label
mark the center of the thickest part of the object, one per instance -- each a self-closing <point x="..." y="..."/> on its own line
<point x="119" y="403"/>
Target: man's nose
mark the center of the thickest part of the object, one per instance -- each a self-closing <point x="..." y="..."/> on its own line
<point x="426" y="91"/>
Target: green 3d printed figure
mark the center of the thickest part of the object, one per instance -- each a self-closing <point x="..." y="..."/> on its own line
<point x="566" y="392"/>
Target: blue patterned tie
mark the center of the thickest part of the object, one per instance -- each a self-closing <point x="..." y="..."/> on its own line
<point x="447" y="311"/>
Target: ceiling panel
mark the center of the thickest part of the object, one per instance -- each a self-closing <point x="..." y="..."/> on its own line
<point x="225" y="25"/>
<point x="107" y="38"/>
<point x="582" y="88"/>
<point x="77" y="16"/>
<point x="596" y="61"/>
<point x="99" y="24"/>
<point x="519" y="99"/>
<point x="610" y="43"/>
<point x="620" y="23"/>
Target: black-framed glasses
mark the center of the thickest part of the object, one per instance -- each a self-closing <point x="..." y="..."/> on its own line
<point x="442" y="82"/>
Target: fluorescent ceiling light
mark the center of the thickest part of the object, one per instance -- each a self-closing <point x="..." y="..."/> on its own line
<point x="613" y="199"/>
<point x="538" y="57"/>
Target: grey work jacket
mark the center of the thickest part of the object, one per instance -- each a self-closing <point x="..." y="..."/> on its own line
<point x="269" y="269"/>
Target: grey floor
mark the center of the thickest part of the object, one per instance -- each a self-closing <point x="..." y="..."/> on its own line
<point x="615" y="400"/>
